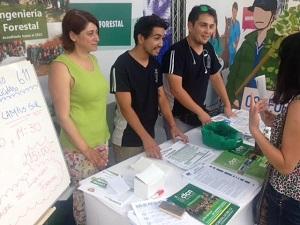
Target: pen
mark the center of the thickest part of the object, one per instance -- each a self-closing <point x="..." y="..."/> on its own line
<point x="158" y="194"/>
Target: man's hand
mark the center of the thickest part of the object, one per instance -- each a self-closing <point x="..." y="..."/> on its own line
<point x="176" y="133"/>
<point x="152" y="150"/>
<point x="204" y="118"/>
<point x="228" y="112"/>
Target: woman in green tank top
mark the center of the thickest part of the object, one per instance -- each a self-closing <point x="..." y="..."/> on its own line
<point x="79" y="92"/>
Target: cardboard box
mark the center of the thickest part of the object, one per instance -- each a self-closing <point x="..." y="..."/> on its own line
<point x="149" y="181"/>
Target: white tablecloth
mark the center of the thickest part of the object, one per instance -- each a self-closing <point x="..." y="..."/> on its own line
<point x="103" y="212"/>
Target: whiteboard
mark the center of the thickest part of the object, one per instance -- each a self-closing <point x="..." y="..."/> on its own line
<point x="33" y="172"/>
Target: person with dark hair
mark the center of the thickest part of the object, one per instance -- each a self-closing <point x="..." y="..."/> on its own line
<point x="279" y="202"/>
<point x="234" y="35"/>
<point x="189" y="64"/>
<point x="136" y="81"/>
<point x="79" y="91"/>
<point x="252" y="50"/>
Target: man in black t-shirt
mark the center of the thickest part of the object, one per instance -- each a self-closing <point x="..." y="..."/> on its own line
<point x="189" y="64"/>
<point x="136" y="81"/>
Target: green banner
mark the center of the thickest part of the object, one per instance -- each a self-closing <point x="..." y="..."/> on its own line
<point x="22" y="22"/>
<point x="114" y="21"/>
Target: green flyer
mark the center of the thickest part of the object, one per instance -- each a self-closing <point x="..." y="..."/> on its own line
<point x="243" y="161"/>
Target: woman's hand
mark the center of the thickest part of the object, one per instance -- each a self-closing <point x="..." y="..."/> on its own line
<point x="254" y="116"/>
<point x="99" y="159"/>
<point x="267" y="117"/>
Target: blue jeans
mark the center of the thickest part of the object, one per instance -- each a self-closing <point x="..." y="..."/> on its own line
<point x="282" y="210"/>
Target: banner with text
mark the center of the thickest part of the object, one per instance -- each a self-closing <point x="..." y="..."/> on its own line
<point x="114" y="21"/>
<point x="22" y="22"/>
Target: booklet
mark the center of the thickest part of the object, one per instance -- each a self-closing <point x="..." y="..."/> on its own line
<point x="204" y="206"/>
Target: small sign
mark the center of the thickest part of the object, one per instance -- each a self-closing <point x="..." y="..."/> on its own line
<point x="275" y="108"/>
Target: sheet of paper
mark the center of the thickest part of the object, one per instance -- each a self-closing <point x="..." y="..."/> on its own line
<point x="261" y="86"/>
<point x="108" y="193"/>
<point x="118" y="184"/>
<point x="148" y="213"/>
<point x="230" y="186"/>
<point x="186" y="155"/>
<point x="132" y="217"/>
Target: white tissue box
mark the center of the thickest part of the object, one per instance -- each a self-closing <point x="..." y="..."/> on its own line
<point x="149" y="181"/>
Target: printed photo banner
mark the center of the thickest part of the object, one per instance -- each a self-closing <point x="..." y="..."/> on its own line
<point x="22" y="22"/>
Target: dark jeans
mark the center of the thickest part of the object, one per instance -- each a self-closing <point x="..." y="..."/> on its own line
<point x="282" y="210"/>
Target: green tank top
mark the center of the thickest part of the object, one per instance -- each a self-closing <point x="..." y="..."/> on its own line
<point x="87" y="103"/>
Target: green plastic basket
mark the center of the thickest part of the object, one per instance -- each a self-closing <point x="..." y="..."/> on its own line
<point x="221" y="136"/>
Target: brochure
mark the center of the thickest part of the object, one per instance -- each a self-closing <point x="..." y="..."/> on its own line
<point x="204" y="206"/>
<point x="243" y="161"/>
<point x="231" y="186"/>
<point x="187" y="155"/>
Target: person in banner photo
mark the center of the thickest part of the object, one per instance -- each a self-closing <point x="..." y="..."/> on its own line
<point x="136" y="81"/>
<point x="253" y="50"/>
<point x="189" y="64"/>
<point x="234" y="34"/>
<point x="216" y="42"/>
<point x="162" y="8"/>
<point x="279" y="201"/>
<point x="79" y="91"/>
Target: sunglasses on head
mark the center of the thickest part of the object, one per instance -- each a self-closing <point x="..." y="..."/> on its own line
<point x="205" y="8"/>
